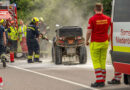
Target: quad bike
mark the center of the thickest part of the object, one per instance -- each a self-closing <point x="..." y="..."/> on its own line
<point x="69" y="42"/>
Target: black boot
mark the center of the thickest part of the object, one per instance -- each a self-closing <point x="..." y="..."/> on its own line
<point x="15" y="55"/>
<point x="114" y="81"/>
<point x="37" y="60"/>
<point x="24" y="55"/>
<point x="30" y="61"/>
<point x="98" y="84"/>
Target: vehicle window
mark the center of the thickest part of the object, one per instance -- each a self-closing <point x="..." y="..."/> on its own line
<point x="122" y="11"/>
<point x="3" y="7"/>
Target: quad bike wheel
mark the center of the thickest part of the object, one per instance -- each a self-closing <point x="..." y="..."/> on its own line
<point x="82" y="55"/>
<point x="58" y="55"/>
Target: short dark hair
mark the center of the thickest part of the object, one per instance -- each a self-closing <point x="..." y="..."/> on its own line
<point x="98" y="7"/>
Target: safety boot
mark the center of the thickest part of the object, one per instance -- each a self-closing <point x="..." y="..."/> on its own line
<point x="37" y="60"/>
<point x="98" y="84"/>
<point x="114" y="81"/>
<point x="30" y="61"/>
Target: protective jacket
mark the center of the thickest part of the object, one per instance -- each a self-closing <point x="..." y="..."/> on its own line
<point x="32" y="32"/>
<point x="13" y="33"/>
<point x="22" y="31"/>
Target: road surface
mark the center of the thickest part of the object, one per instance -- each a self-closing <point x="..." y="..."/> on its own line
<point x="48" y="76"/>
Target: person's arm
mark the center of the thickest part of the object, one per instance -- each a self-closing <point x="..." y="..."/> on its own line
<point x="89" y="31"/>
<point x="44" y="37"/>
<point x="88" y="35"/>
<point x="109" y="35"/>
<point x="110" y="32"/>
<point x="19" y="32"/>
<point x="9" y="30"/>
<point x="4" y="37"/>
<point x="37" y="32"/>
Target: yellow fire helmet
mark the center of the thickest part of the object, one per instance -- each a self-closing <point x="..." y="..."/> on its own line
<point x="2" y="21"/>
<point x="35" y="19"/>
<point x="41" y="19"/>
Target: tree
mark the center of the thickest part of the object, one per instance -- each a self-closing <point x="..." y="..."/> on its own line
<point x="107" y="6"/>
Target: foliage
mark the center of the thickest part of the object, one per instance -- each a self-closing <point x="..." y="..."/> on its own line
<point x="64" y="12"/>
<point x="25" y="7"/>
<point x="107" y="6"/>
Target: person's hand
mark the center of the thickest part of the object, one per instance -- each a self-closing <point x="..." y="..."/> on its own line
<point x="18" y="39"/>
<point x="40" y="36"/>
<point x="87" y="43"/>
<point x="21" y="33"/>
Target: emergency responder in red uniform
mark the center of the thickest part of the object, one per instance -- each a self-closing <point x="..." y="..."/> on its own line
<point x="2" y="44"/>
<point x="32" y="40"/>
<point x="98" y="30"/>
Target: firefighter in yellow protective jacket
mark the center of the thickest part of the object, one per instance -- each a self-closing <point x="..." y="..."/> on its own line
<point x="13" y="37"/>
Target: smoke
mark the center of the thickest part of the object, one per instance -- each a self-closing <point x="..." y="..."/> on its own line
<point x="65" y="12"/>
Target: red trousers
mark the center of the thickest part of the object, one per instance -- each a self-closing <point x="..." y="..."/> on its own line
<point x="1" y="80"/>
<point x="24" y="45"/>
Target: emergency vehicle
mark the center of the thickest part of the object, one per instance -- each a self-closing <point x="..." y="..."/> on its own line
<point x="120" y="42"/>
<point x="8" y="11"/>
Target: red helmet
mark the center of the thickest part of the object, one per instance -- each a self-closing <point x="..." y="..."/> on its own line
<point x="12" y="22"/>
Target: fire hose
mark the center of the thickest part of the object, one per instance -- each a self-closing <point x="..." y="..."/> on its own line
<point x="45" y="38"/>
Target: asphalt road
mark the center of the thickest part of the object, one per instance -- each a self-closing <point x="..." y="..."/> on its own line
<point x="47" y="76"/>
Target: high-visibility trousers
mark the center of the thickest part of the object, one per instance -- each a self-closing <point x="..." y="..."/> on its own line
<point x="98" y="54"/>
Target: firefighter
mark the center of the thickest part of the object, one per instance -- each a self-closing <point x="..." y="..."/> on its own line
<point x="2" y="44"/>
<point x="8" y="24"/>
<point x="98" y="31"/>
<point x="41" y="22"/>
<point x="22" y="32"/>
<point x="13" y="37"/>
<point x="33" y="34"/>
<point x="44" y="43"/>
<point x="6" y="33"/>
<point x="42" y="25"/>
